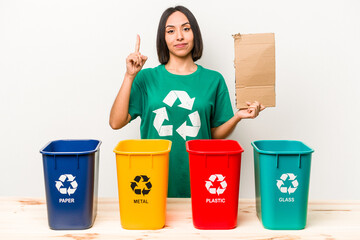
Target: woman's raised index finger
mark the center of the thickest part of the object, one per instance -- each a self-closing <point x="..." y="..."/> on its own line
<point x="137" y="46"/>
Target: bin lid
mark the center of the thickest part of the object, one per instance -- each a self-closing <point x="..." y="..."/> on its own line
<point x="143" y="147"/>
<point x="213" y="147"/>
<point x="281" y="147"/>
<point x="71" y="147"/>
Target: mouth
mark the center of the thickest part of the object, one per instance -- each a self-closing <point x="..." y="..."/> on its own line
<point x="181" y="45"/>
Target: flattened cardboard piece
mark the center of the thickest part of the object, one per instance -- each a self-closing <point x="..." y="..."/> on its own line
<point x="255" y="69"/>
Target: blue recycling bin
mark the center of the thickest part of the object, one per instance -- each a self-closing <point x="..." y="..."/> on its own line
<point x="71" y="183"/>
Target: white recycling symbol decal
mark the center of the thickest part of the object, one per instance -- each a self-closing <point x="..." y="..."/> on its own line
<point x="287" y="177"/>
<point x="209" y="184"/>
<point x="60" y="186"/>
<point x="186" y="103"/>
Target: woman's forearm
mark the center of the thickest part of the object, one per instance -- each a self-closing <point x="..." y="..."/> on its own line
<point x="225" y="129"/>
<point x="119" y="115"/>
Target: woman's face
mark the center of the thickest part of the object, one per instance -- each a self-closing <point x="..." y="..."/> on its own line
<point x="178" y="35"/>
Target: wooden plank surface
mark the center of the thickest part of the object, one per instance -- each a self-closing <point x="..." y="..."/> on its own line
<point x="26" y="218"/>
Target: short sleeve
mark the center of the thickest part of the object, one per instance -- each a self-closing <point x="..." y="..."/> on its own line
<point x="223" y="110"/>
<point x="136" y="95"/>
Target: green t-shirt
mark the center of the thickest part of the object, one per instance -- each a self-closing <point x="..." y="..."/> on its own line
<point x="179" y="108"/>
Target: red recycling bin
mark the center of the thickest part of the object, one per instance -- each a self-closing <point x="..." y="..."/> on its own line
<point x="214" y="180"/>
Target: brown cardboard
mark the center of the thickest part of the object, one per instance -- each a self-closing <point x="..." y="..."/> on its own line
<point x="255" y="69"/>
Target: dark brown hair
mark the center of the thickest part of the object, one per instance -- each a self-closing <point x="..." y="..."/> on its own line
<point x="163" y="50"/>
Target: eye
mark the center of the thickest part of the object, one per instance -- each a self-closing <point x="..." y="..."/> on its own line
<point x="170" y="31"/>
<point x="186" y="29"/>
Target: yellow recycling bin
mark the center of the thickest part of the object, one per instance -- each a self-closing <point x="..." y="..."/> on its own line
<point x="142" y="172"/>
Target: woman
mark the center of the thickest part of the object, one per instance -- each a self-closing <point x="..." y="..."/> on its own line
<point x="177" y="100"/>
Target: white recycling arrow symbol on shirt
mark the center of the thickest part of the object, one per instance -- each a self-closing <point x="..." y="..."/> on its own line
<point x="191" y="131"/>
<point x="186" y="103"/>
<point x="160" y="117"/>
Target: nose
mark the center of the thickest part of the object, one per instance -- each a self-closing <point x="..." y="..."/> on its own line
<point x="179" y="36"/>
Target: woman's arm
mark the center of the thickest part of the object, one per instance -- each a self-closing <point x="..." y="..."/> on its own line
<point x="119" y="114"/>
<point x="225" y="129"/>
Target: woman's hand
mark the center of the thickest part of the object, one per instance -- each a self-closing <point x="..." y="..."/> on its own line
<point x="135" y="61"/>
<point x="252" y="111"/>
<point x="225" y="129"/>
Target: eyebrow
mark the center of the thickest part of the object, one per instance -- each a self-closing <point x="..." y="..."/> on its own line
<point x="174" y="26"/>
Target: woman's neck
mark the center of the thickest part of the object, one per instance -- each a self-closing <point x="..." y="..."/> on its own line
<point x="181" y="66"/>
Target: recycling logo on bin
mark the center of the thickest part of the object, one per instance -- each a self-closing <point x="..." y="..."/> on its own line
<point x="287" y="183"/>
<point x="141" y="187"/>
<point x="212" y="180"/>
<point x="66" y="187"/>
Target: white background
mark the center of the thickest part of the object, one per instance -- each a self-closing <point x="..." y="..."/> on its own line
<point x="62" y="63"/>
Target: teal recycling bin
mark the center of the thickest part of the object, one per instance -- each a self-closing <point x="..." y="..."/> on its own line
<point x="282" y="174"/>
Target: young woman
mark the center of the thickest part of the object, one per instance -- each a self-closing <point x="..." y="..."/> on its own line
<point x="177" y="100"/>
